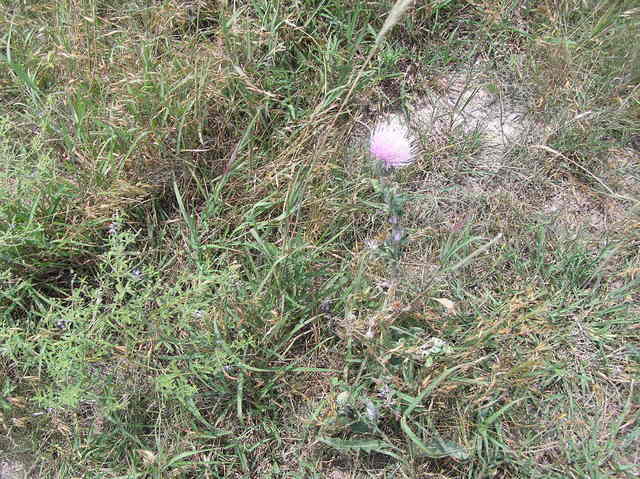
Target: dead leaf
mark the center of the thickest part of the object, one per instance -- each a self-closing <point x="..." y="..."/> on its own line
<point x="148" y="457"/>
<point x="448" y="304"/>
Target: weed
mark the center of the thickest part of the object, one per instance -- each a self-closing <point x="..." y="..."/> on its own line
<point x="187" y="287"/>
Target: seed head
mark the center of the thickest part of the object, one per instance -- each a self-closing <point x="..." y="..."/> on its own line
<point x="391" y="145"/>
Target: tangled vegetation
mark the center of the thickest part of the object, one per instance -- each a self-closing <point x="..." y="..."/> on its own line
<point x="191" y="277"/>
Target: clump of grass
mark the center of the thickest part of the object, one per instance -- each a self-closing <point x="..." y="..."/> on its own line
<point x="184" y="289"/>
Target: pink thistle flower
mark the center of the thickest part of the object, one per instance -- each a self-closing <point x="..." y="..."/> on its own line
<point x="391" y="145"/>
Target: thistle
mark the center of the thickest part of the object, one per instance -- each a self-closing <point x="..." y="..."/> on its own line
<point x="391" y="147"/>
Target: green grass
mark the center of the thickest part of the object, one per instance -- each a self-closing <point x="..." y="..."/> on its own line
<point x="188" y="286"/>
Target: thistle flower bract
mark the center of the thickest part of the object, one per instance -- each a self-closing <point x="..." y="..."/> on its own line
<point x="391" y="145"/>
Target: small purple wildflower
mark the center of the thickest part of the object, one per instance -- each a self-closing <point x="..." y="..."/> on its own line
<point x="396" y="234"/>
<point x="391" y="145"/>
